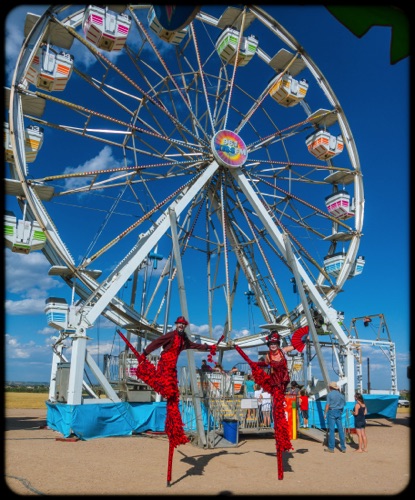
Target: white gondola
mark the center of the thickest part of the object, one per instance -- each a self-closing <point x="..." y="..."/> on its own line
<point x="22" y="236"/>
<point x="288" y="91"/>
<point x="357" y="267"/>
<point x="106" y="29"/>
<point x="33" y="142"/>
<point x="334" y="263"/>
<point x="50" y="70"/>
<point x="285" y="89"/>
<point x="227" y="43"/>
<point x="8" y="151"/>
<point x="338" y="205"/>
<point x="57" y="313"/>
<point x="323" y="145"/>
<point x="173" y="37"/>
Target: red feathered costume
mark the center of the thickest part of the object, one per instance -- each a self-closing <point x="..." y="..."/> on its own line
<point x="275" y="383"/>
<point x="163" y="378"/>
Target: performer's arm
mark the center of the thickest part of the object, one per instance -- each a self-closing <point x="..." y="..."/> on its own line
<point x="262" y="364"/>
<point x="266" y="362"/>
<point x="193" y="345"/>
<point x="156" y="343"/>
<point x="288" y="348"/>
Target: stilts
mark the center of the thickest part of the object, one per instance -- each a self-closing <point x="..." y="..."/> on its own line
<point x="170" y="464"/>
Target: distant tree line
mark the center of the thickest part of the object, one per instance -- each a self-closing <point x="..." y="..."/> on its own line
<point x="39" y="388"/>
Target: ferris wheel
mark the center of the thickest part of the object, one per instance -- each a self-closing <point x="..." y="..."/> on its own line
<point x="213" y="152"/>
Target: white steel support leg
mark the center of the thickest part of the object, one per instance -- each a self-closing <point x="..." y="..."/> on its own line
<point x="183" y="305"/>
<point x="76" y="373"/>
<point x="276" y="236"/>
<point x="349" y="376"/>
<point x="119" y="276"/>
<point x="109" y="391"/>
<point x="359" y="374"/>
<point x="56" y="358"/>
<point x="278" y="239"/>
<point x="312" y="329"/>
<point x="394" y="376"/>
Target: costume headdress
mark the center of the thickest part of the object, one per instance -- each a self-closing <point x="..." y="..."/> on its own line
<point x="273" y="338"/>
<point x="181" y="319"/>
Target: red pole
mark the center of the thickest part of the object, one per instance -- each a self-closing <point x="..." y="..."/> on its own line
<point x="133" y="350"/>
<point x="170" y="464"/>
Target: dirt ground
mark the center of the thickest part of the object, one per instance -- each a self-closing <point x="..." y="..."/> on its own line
<point x="38" y="461"/>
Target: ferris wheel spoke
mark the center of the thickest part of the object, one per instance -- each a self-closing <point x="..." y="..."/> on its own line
<point x="155" y="101"/>
<point x="202" y="76"/>
<point x="256" y="282"/>
<point x="171" y="198"/>
<point x="162" y="61"/>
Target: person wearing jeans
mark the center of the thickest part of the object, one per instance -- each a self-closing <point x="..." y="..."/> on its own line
<point x="333" y="412"/>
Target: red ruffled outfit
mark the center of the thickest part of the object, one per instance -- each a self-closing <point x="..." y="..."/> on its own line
<point x="275" y="383"/>
<point x="163" y="378"/>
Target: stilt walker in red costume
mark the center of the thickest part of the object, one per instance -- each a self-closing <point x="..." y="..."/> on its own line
<point x="276" y="384"/>
<point x="163" y="378"/>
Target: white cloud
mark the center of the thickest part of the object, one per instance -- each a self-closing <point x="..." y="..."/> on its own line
<point x="15" y="35"/>
<point x="25" y="307"/>
<point x="27" y="276"/>
<point x="27" y="273"/>
<point x="18" y="350"/>
<point x="104" y="160"/>
<point x="47" y="331"/>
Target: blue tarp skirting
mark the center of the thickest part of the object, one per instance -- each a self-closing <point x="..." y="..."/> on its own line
<point x="378" y="406"/>
<point x="381" y="405"/>
<point x="89" y="421"/>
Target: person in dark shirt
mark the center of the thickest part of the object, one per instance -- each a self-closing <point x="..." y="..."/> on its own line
<point x="360" y="412"/>
<point x="205" y="367"/>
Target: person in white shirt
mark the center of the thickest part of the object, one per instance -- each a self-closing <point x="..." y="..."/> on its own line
<point x="257" y="396"/>
<point x="266" y="408"/>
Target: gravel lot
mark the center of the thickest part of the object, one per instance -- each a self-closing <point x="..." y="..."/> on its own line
<point x="38" y="461"/>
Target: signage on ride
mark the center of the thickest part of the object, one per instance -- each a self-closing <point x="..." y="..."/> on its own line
<point x="229" y="149"/>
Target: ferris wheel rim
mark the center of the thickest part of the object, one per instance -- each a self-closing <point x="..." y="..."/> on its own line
<point x="36" y="207"/>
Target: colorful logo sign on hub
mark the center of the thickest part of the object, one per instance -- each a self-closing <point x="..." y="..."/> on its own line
<point x="229" y="149"/>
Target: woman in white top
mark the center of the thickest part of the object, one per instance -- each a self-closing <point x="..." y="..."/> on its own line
<point x="257" y="396"/>
<point x="266" y="407"/>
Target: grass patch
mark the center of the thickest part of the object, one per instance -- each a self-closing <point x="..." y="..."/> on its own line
<point x="30" y="400"/>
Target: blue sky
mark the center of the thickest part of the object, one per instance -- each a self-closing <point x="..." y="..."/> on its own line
<point x="375" y="98"/>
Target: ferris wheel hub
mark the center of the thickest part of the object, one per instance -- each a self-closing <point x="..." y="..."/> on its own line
<point x="229" y="149"/>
